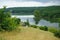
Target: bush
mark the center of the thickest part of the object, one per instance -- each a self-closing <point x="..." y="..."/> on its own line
<point x="18" y="20"/>
<point x="42" y="28"/>
<point x="6" y="22"/>
<point x="51" y="29"/>
<point x="10" y="24"/>
<point x="55" y="31"/>
<point x="57" y="34"/>
<point x="26" y="23"/>
<point x="45" y="28"/>
<point x="34" y="26"/>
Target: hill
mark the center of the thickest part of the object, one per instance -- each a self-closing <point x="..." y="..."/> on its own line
<point x="30" y="10"/>
<point x="28" y="33"/>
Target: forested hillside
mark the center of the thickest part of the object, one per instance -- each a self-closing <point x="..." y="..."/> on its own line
<point x="30" y="10"/>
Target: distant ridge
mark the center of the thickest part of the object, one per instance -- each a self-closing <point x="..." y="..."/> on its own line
<point x="30" y="10"/>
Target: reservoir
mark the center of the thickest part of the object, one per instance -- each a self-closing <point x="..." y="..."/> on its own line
<point x="42" y="22"/>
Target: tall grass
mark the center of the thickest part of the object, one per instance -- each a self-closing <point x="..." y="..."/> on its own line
<point x="52" y="29"/>
<point x="55" y="31"/>
<point x="1" y="38"/>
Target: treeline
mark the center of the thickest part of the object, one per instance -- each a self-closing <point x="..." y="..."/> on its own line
<point x="50" y="13"/>
<point x="30" y="10"/>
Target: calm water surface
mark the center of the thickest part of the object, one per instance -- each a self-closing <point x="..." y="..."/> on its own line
<point x="31" y="20"/>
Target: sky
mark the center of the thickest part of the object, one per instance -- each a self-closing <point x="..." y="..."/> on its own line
<point x="28" y="3"/>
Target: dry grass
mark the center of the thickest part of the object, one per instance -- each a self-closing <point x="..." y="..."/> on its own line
<point x="28" y="34"/>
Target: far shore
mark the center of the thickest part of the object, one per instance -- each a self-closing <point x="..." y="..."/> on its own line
<point x="22" y="15"/>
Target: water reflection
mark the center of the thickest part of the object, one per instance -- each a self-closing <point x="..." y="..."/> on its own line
<point x="42" y="22"/>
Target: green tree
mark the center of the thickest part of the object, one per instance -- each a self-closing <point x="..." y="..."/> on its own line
<point x="28" y="22"/>
<point x="37" y="16"/>
<point x="6" y="22"/>
<point x="52" y="16"/>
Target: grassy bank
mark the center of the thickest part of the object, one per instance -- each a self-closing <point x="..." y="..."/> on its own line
<point x="27" y="33"/>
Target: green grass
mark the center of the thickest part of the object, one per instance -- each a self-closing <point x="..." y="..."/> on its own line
<point x="28" y="33"/>
<point x="1" y="38"/>
<point x="52" y="29"/>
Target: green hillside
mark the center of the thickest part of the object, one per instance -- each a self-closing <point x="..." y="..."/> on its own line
<point x="30" y="10"/>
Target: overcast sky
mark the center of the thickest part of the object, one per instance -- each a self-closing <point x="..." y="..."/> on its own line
<point x="28" y="3"/>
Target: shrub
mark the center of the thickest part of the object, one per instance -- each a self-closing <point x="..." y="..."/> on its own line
<point x="55" y="31"/>
<point x="51" y="29"/>
<point x="57" y="34"/>
<point x="10" y="24"/>
<point x="26" y="23"/>
<point x="6" y="22"/>
<point x="18" y="20"/>
<point x="42" y="28"/>
<point x="34" y="26"/>
<point x="45" y="28"/>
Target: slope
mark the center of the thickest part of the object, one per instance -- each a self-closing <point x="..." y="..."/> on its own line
<point x="27" y="33"/>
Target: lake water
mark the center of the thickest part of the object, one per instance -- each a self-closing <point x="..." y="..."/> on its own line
<point x="31" y="21"/>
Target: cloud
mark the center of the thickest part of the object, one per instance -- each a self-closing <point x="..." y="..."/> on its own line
<point x="39" y="0"/>
<point x="17" y="3"/>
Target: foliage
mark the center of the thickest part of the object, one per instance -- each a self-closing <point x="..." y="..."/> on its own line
<point x="30" y="10"/>
<point x="57" y="34"/>
<point x="37" y="16"/>
<point x="10" y="24"/>
<point x="26" y="23"/>
<point x="53" y="30"/>
<point x="50" y="13"/>
<point x="45" y="28"/>
<point x="34" y="26"/>
<point x="6" y="22"/>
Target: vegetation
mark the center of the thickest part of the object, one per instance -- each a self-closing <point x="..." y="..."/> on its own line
<point x="6" y="22"/>
<point x="52" y="16"/>
<point x="37" y="16"/>
<point x="57" y="34"/>
<point x="28" y="33"/>
<point x="45" y="28"/>
<point x="1" y="38"/>
<point x="30" y="10"/>
<point x="52" y="29"/>
<point x="34" y="26"/>
<point x="26" y="23"/>
<point x="55" y="31"/>
<point x="51" y="13"/>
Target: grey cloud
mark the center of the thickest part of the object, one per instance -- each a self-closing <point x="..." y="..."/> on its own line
<point x="40" y="0"/>
<point x="43" y="1"/>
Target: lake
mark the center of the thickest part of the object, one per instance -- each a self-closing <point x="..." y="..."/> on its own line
<point x="42" y="22"/>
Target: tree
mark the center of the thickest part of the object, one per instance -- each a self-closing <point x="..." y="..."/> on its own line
<point x="52" y="16"/>
<point x="37" y="16"/>
<point x="28" y="22"/>
<point x="6" y="22"/>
